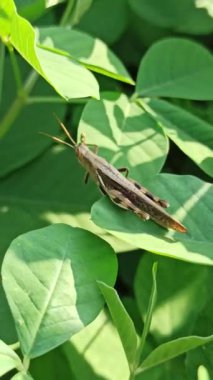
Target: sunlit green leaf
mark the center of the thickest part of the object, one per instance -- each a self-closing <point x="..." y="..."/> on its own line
<point x="8" y="359"/>
<point x="57" y="294"/>
<point x="188" y="197"/>
<point x="190" y="133"/>
<point x="68" y="78"/>
<point x="127" y="136"/>
<point x="91" y="52"/>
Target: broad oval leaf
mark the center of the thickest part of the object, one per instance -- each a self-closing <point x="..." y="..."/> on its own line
<point x="190" y="133"/>
<point x="170" y="350"/>
<point x="49" y="276"/>
<point x="8" y="359"/>
<point x="106" y="19"/>
<point x="91" y="52"/>
<point x="164" y="13"/>
<point x="127" y="136"/>
<point x="188" y="197"/>
<point x="177" y="68"/>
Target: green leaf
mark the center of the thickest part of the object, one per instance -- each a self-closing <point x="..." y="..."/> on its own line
<point x="190" y="133"/>
<point x="91" y="52"/>
<point x="207" y="4"/>
<point x="197" y="22"/>
<point x="8" y="359"/>
<point x="53" y="365"/>
<point x="66" y="76"/>
<point x="177" y="68"/>
<point x="178" y="286"/>
<point x="30" y="9"/>
<point x="170" y="350"/>
<point x="122" y="321"/>
<point x="162" y="13"/>
<point x="127" y="136"/>
<point x="80" y="8"/>
<point x="106" y="19"/>
<point x="56" y="295"/>
<point x="98" y="343"/>
<point x="188" y="197"/>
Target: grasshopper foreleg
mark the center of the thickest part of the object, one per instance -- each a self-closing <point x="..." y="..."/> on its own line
<point x="86" y="177"/>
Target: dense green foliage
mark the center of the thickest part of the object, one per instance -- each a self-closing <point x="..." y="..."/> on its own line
<point x="89" y="291"/>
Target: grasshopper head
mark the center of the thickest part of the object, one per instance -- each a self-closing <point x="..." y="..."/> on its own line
<point x="83" y="138"/>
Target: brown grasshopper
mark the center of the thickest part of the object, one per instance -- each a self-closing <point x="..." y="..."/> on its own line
<point x="124" y="192"/>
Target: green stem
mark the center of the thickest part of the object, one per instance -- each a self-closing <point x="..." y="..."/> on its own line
<point x="26" y="363"/>
<point x="18" y="104"/>
<point x="67" y="13"/>
<point x="15" y="346"/>
<point x="2" y="56"/>
<point x="152" y="302"/>
<point x="15" y="67"/>
<point x="53" y="99"/>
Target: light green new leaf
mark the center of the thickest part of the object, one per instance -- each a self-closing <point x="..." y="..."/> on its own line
<point x="122" y="321"/>
<point x="91" y="52"/>
<point x="170" y="350"/>
<point x="8" y="359"/>
<point x="190" y="133"/>
<point x="69" y="79"/>
<point x="177" y="68"/>
<point x="57" y="294"/>
<point x="127" y="136"/>
<point x="190" y="202"/>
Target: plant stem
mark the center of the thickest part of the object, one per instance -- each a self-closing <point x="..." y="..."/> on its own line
<point x="18" y="104"/>
<point x="26" y="363"/>
<point x="15" y="67"/>
<point x="67" y="13"/>
<point x="53" y="99"/>
<point x="2" y="56"/>
<point x="147" y="324"/>
<point x="15" y="346"/>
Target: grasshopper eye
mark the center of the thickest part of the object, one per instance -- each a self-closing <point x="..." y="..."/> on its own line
<point x="83" y="138"/>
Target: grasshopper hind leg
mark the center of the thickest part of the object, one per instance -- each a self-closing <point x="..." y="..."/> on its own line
<point x="124" y="170"/>
<point x="151" y="196"/>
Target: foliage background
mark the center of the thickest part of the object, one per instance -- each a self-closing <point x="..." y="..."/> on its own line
<point x="144" y="95"/>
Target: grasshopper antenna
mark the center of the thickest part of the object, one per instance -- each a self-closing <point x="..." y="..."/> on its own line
<point x="65" y="131"/>
<point x="57" y="140"/>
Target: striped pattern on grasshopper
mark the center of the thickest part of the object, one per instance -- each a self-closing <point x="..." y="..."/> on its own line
<point x="124" y="192"/>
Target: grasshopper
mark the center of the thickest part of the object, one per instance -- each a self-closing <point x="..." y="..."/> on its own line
<point x="124" y="192"/>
